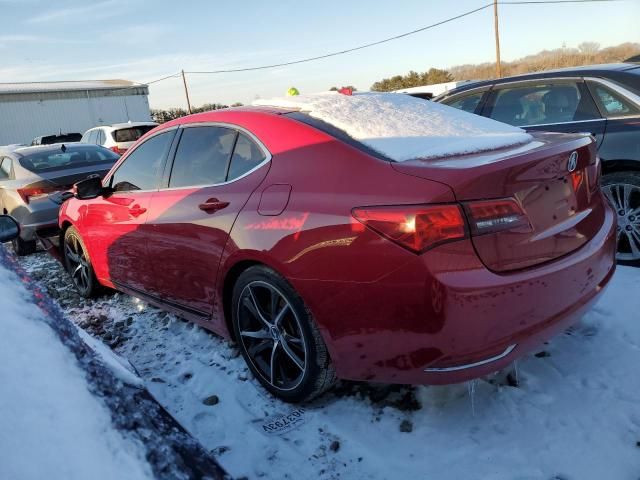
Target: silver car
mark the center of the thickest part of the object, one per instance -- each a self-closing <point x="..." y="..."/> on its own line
<point x="29" y="174"/>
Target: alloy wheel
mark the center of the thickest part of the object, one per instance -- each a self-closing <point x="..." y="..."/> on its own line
<point x="77" y="263"/>
<point x="625" y="199"/>
<point x="271" y="335"/>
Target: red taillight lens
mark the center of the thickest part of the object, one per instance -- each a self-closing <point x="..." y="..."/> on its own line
<point x="415" y="227"/>
<point x="492" y="216"/>
<point x="32" y="193"/>
<point x="118" y="150"/>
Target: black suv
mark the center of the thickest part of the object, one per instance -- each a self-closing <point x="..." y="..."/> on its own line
<point x="603" y="100"/>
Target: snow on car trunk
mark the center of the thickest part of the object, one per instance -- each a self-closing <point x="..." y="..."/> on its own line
<point x="402" y="127"/>
<point x="51" y="426"/>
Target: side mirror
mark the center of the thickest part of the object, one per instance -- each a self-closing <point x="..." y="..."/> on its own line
<point x="88" y="188"/>
<point x="9" y="228"/>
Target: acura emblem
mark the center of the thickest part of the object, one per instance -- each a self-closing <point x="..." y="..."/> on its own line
<point x="573" y="161"/>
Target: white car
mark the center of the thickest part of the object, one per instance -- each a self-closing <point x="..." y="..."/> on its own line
<point x="119" y="136"/>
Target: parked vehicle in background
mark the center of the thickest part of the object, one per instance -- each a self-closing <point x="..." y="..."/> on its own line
<point x="603" y="100"/>
<point x="29" y="174"/>
<point x="119" y="136"/>
<point x="59" y="138"/>
<point x="360" y="252"/>
<point x="427" y="92"/>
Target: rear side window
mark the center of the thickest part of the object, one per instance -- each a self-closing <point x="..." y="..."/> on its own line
<point x="613" y="103"/>
<point x="543" y="104"/>
<point x="468" y="103"/>
<point x="246" y="156"/>
<point x="131" y="134"/>
<point x="5" y="168"/>
<point x="139" y="171"/>
<point x="202" y="156"/>
<point x="70" y="158"/>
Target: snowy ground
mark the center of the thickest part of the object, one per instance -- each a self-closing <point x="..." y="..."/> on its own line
<point x="575" y="413"/>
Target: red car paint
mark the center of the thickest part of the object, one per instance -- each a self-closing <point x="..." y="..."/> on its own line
<point x="386" y="313"/>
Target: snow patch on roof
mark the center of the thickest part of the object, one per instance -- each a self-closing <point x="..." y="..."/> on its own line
<point x="402" y="127"/>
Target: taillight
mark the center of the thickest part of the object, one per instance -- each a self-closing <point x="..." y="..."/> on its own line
<point x="118" y="150"/>
<point x="415" y="227"/>
<point x="492" y="216"/>
<point x="33" y="193"/>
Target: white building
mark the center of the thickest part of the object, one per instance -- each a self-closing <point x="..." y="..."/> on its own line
<point x="29" y="110"/>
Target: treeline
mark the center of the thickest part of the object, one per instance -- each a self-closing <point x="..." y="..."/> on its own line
<point x="587" y="53"/>
<point x="162" y="115"/>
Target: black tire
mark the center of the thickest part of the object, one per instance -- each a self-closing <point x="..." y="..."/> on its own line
<point x="78" y="264"/>
<point x="616" y="187"/>
<point x="295" y="336"/>
<point x="24" y="247"/>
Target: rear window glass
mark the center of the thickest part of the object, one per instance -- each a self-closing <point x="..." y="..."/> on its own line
<point x="69" y="137"/>
<point x="131" y="134"/>
<point x="70" y="158"/>
<point x="336" y="133"/>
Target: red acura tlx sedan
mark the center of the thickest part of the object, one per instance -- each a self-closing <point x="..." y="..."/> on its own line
<point x="300" y="232"/>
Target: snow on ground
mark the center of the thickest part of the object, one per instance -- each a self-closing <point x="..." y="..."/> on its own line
<point x="403" y="127"/>
<point x="51" y="425"/>
<point x="574" y="415"/>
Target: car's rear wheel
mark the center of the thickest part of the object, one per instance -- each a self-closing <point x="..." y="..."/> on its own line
<point x="78" y="264"/>
<point x="622" y="189"/>
<point x="278" y="338"/>
<point x="23" y="247"/>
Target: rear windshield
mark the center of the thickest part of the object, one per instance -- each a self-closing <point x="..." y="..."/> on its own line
<point x="64" y="138"/>
<point x="68" y="159"/>
<point x="131" y="134"/>
<point x="336" y="133"/>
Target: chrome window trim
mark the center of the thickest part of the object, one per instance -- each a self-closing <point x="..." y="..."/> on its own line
<point x="465" y="366"/>
<point x="238" y="129"/>
<point x="562" y="123"/>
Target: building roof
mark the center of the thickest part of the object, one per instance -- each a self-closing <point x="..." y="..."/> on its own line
<point x="74" y="85"/>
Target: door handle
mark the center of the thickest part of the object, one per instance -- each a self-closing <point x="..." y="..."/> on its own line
<point x="137" y="210"/>
<point x="212" y="205"/>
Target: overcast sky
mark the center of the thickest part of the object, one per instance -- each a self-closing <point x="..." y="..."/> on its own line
<point x="145" y="40"/>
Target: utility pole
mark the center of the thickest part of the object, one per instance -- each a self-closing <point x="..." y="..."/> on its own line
<point x="495" y="22"/>
<point x="186" y="92"/>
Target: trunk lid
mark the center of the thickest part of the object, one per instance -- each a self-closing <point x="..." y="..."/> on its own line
<point x="563" y="205"/>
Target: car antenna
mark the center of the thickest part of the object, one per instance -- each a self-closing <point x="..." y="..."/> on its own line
<point x="63" y="148"/>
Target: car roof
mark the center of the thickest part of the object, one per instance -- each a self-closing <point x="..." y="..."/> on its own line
<point x="595" y="70"/>
<point x="22" y="151"/>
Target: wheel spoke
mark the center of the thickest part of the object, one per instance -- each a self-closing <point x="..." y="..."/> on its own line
<point x="272" y="369"/>
<point x="259" y="347"/>
<point x="278" y="318"/>
<point x="627" y="189"/>
<point x="292" y="355"/>
<point x="634" y="243"/>
<point x="261" y="334"/>
<point x="255" y="308"/>
<point x="292" y="340"/>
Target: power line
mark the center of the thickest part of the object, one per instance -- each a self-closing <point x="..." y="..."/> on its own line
<point x="395" y="37"/>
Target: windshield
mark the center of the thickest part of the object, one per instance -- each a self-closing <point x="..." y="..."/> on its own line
<point x="131" y="134"/>
<point x="70" y="158"/>
<point x="64" y="138"/>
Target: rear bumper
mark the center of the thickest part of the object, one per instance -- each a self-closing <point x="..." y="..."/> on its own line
<point x="445" y="318"/>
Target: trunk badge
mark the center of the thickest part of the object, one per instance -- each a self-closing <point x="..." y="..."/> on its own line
<point x="573" y="161"/>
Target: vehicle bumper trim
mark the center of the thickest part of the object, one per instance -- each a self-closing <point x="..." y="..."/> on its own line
<point x="465" y="366"/>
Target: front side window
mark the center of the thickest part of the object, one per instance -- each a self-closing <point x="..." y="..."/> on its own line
<point x="613" y="103"/>
<point x="202" y="156"/>
<point x="246" y="156"/>
<point x="542" y="104"/>
<point x="140" y="169"/>
<point x="468" y="103"/>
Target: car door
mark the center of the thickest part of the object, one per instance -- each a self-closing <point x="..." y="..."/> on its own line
<point x="114" y="224"/>
<point x="214" y="171"/>
<point x="553" y="105"/>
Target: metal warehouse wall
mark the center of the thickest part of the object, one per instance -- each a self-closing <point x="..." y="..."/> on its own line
<point x="24" y="116"/>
